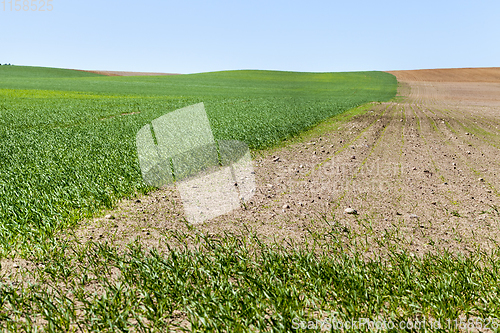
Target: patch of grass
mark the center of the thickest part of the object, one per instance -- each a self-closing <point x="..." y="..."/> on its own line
<point x="237" y="283"/>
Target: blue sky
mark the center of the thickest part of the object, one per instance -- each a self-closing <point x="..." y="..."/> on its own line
<point x="199" y="36"/>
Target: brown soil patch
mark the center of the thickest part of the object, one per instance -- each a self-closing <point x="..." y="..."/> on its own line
<point x="457" y="93"/>
<point x="120" y="73"/>
<point x="422" y="173"/>
<point x="491" y="74"/>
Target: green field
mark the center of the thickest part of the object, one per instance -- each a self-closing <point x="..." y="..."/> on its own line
<point x="67" y="147"/>
<point x="68" y="137"/>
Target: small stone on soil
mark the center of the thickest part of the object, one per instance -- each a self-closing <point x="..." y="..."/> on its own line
<point x="109" y="217"/>
<point x="350" y="211"/>
<point x="413" y="216"/>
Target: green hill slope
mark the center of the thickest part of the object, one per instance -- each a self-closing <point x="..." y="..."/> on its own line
<point x="228" y="83"/>
<point x="24" y="72"/>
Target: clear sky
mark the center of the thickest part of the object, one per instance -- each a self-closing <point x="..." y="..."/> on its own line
<point x="187" y="36"/>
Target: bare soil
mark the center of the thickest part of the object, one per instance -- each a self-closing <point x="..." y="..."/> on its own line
<point x="490" y="74"/>
<point x="421" y="172"/>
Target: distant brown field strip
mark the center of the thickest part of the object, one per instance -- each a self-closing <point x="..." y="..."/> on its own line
<point x="491" y="74"/>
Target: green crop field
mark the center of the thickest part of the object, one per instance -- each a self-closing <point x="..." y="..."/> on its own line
<point x="68" y="137"/>
<point x="67" y="151"/>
